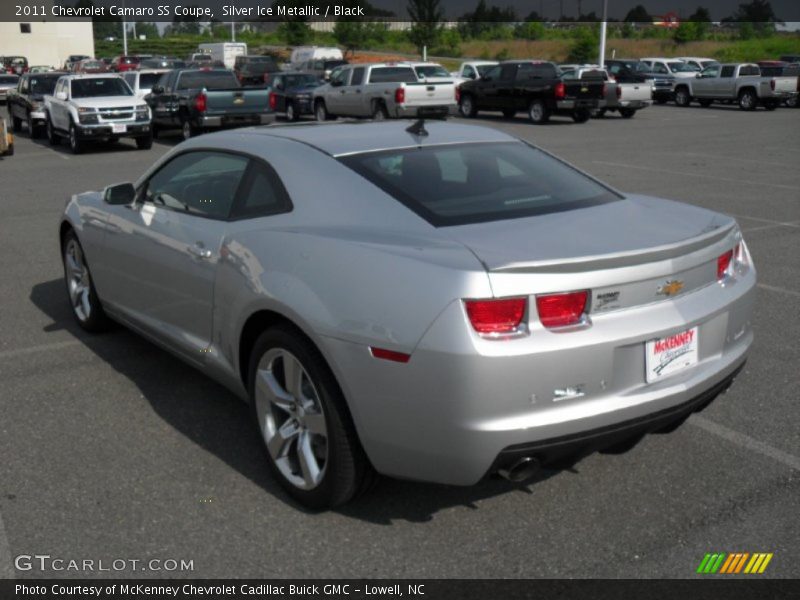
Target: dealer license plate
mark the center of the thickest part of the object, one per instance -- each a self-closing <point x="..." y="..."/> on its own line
<point x="119" y="128"/>
<point x="672" y="354"/>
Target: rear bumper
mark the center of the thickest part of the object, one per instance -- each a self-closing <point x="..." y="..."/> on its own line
<point x="576" y="104"/>
<point x="442" y="110"/>
<point x="462" y="403"/>
<point x="229" y="121"/>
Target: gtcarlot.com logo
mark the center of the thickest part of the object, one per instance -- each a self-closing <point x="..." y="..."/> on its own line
<point x="722" y="563"/>
<point x="46" y="562"/>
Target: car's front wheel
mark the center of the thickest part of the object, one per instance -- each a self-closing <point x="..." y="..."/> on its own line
<point x="52" y="136"/>
<point x="291" y="112"/>
<point x="682" y="97"/>
<point x="83" y="298"/>
<point x="75" y="143"/>
<point x="321" y="111"/>
<point x="311" y="444"/>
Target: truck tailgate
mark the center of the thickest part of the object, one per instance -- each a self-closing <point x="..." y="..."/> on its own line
<point x="635" y="91"/>
<point x="430" y="93"/>
<point x="237" y="101"/>
<point x="784" y="85"/>
<point x="585" y="90"/>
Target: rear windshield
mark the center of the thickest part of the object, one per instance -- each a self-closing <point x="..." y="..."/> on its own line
<point x="301" y="80"/>
<point x="9" y="79"/>
<point x="211" y="80"/>
<point x="476" y="183"/>
<point x="392" y="75"/>
<point x="432" y="71"/>
<point x="261" y="66"/>
<point x="148" y="80"/>
<point x="107" y="86"/>
<point x="43" y="85"/>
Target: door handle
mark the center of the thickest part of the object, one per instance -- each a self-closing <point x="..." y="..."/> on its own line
<point x="199" y="251"/>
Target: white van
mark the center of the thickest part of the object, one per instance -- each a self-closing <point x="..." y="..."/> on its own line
<point x="302" y="54"/>
<point x="225" y="52"/>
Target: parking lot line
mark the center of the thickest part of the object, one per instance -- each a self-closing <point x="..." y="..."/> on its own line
<point x="745" y="441"/>
<point x="41" y="348"/>
<point x="6" y="572"/>
<point x="775" y="288"/>
<point x="720" y="157"/>
<point x="691" y="174"/>
<point x="772" y="221"/>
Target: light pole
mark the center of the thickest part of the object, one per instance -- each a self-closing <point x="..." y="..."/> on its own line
<point x="124" y="32"/>
<point x="233" y="31"/>
<point x="603" y="27"/>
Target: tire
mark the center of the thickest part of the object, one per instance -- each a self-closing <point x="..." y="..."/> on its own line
<point x="33" y="131"/>
<point x="793" y="102"/>
<point x="466" y="106"/>
<point x="627" y="113"/>
<point x="379" y="112"/>
<point x="86" y="306"/>
<point x="599" y="113"/>
<point x="509" y="113"/>
<point x="748" y="100"/>
<point x="581" y="116"/>
<point x="75" y="144"/>
<point x="188" y="129"/>
<point x="682" y="97"/>
<point x="291" y="112"/>
<point x="321" y="111"/>
<point x="311" y="445"/>
<point x="145" y="142"/>
<point x="52" y="136"/>
<point x="538" y="113"/>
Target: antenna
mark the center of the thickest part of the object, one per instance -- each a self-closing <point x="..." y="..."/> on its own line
<point x="418" y="128"/>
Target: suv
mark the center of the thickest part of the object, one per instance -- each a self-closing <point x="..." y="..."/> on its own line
<point x="92" y="107"/>
<point x="631" y="70"/>
<point x="322" y="67"/>
<point x="254" y="70"/>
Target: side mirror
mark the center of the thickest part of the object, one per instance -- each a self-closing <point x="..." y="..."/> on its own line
<point x="698" y="75"/>
<point x="61" y="95"/>
<point x="122" y="193"/>
<point x="336" y="83"/>
<point x="157" y="89"/>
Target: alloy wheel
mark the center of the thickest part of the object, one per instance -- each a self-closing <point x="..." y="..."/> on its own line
<point x="291" y="418"/>
<point x="78" y="282"/>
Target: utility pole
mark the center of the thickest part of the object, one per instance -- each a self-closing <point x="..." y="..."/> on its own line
<point x="233" y="31"/>
<point x="603" y="28"/>
<point x="124" y="33"/>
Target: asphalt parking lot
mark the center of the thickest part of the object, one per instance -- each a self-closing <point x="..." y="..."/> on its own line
<point x="113" y="449"/>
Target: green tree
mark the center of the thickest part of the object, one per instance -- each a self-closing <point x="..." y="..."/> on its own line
<point x="529" y="30"/>
<point x="638" y="14"/>
<point x="350" y="34"/>
<point x="426" y="17"/>
<point x="149" y="30"/>
<point x="585" y="47"/>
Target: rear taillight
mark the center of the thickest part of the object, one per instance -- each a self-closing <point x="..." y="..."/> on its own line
<point x="201" y="102"/>
<point x="400" y="95"/>
<point x="560" y="90"/>
<point x="561" y="310"/>
<point x="724" y="263"/>
<point x="497" y="316"/>
<point x="273" y="100"/>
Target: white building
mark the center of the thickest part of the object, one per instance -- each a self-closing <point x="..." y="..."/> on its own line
<point x="48" y="42"/>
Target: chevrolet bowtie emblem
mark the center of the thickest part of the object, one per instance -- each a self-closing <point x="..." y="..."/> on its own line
<point x="670" y="288"/>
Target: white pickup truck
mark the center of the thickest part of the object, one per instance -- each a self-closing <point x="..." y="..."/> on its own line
<point x="742" y="83"/>
<point x="472" y="69"/>
<point x="96" y="107"/>
<point x="620" y="96"/>
<point x="382" y="90"/>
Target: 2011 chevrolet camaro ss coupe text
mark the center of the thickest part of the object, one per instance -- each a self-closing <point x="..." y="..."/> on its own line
<point x="435" y="303"/>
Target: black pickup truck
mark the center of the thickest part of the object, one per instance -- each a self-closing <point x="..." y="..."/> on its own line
<point x="197" y="100"/>
<point x="531" y="86"/>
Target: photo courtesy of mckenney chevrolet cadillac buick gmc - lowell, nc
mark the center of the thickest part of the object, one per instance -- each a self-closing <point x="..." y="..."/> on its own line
<point x="440" y="302"/>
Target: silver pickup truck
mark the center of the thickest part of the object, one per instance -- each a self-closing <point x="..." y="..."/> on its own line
<point x="742" y="83"/>
<point x="626" y="98"/>
<point x="380" y="91"/>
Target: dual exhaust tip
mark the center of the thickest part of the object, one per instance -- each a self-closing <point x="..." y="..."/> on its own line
<point x="521" y="470"/>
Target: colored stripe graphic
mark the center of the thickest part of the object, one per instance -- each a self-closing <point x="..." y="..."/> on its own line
<point x="734" y="563"/>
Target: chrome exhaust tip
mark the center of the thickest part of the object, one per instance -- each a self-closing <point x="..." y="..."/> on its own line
<point x="521" y="470"/>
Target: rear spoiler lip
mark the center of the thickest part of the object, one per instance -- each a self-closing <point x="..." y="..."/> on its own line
<point x="618" y="259"/>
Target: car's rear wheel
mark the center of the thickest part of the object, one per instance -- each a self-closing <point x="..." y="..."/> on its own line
<point x="86" y="307"/>
<point x="581" y="116"/>
<point x="627" y="113"/>
<point x="291" y="112"/>
<point x="188" y="129"/>
<point x="321" y="111"/>
<point x="793" y="102"/>
<point x="682" y="97"/>
<point x="467" y="107"/>
<point x="311" y="444"/>
<point x="379" y="111"/>
<point x="748" y="100"/>
<point x="75" y="143"/>
<point x="144" y="142"/>
<point x="52" y="136"/>
<point x="538" y="113"/>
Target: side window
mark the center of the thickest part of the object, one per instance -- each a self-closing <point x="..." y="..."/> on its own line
<point x="358" y="76"/>
<point x="727" y="71"/>
<point x="570" y="75"/>
<point x="469" y="72"/>
<point x="507" y="72"/>
<point x="493" y="73"/>
<point x="198" y="183"/>
<point x="615" y="69"/>
<point x="660" y="68"/>
<point x="340" y="77"/>
<point x="712" y="71"/>
<point x="262" y="193"/>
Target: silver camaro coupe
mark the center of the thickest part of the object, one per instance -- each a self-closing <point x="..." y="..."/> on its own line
<point x="435" y="303"/>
